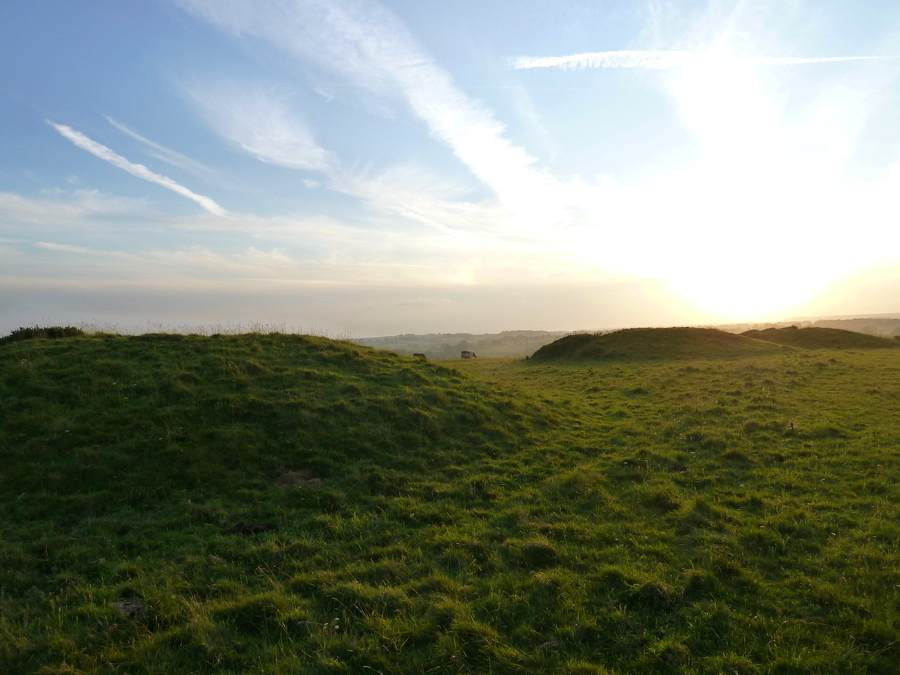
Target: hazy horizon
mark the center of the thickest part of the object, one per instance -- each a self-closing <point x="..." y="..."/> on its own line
<point x="378" y="168"/>
<point x="238" y="327"/>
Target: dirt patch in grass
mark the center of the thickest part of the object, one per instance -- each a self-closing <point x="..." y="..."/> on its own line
<point x="130" y="606"/>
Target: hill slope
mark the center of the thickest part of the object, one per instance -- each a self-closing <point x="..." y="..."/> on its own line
<point x="821" y="338"/>
<point x="652" y="343"/>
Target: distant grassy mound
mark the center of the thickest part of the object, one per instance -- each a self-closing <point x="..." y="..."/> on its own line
<point x="821" y="338"/>
<point x="634" y="344"/>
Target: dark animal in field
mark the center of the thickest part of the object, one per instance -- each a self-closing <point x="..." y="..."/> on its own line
<point x="466" y="354"/>
<point x="420" y="355"/>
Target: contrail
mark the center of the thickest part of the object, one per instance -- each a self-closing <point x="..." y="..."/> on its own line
<point x="172" y="157"/>
<point x="138" y="170"/>
<point x="661" y="60"/>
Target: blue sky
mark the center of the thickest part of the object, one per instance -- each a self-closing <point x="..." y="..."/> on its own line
<point x="367" y="168"/>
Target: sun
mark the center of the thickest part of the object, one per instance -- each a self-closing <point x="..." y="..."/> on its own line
<point x="763" y="296"/>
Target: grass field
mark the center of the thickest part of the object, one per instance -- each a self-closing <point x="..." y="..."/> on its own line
<point x="285" y="504"/>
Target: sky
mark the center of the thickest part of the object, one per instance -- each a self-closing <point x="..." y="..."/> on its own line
<point x="362" y="168"/>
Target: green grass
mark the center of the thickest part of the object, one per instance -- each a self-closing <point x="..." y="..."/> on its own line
<point x="731" y="515"/>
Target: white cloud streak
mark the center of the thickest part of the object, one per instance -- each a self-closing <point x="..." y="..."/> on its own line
<point x="137" y="170"/>
<point x="367" y="44"/>
<point x="172" y="157"/>
<point x="260" y="122"/>
<point x="665" y="60"/>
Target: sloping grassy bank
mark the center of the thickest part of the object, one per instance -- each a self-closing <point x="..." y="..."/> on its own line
<point x="281" y="504"/>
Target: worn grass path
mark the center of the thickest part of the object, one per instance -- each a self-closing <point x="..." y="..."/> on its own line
<point x="497" y="516"/>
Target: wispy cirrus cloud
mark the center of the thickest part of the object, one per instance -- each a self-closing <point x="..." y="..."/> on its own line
<point x="293" y="250"/>
<point x="365" y="43"/>
<point x="173" y="157"/>
<point x="665" y="60"/>
<point x="186" y="262"/>
<point x="61" y="207"/>
<point x="137" y="170"/>
<point x="259" y="121"/>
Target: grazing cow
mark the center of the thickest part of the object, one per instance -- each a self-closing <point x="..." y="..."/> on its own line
<point x="419" y="355"/>
<point x="466" y="354"/>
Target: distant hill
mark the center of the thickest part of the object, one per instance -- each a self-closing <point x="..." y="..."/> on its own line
<point x="653" y="343"/>
<point x="821" y="338"/>
<point x="883" y="326"/>
<point x="522" y="343"/>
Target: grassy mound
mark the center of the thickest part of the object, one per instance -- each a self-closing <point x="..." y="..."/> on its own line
<point x="821" y="338"/>
<point x="652" y="343"/>
<point x="147" y="467"/>
<point x="140" y="418"/>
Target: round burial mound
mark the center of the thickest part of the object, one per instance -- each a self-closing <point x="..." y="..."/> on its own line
<point x="821" y="338"/>
<point x="653" y="343"/>
<point x="153" y="416"/>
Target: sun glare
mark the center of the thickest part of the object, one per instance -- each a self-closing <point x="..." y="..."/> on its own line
<point x="763" y="296"/>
